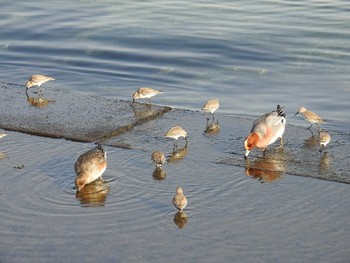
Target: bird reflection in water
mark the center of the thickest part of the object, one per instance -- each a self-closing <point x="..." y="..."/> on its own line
<point x="212" y="128"/>
<point x="38" y="102"/>
<point x="3" y="155"/>
<point x="178" y="154"/>
<point x="311" y="142"/>
<point x="93" y="194"/>
<point x="180" y="219"/>
<point x="159" y="174"/>
<point x="267" y="169"/>
<point x="142" y="111"/>
<point x="325" y="162"/>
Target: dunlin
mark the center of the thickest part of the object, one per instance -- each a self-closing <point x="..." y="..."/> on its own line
<point x="311" y="117"/>
<point x="143" y="92"/>
<point x="158" y="158"/>
<point x="90" y="166"/>
<point x="179" y="200"/>
<point x="37" y="80"/>
<point x="2" y="134"/>
<point x="210" y="107"/>
<point x="175" y="133"/>
<point x="324" y="139"/>
<point x="266" y="130"/>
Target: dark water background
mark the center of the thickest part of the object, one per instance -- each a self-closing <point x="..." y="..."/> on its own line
<point x="252" y="55"/>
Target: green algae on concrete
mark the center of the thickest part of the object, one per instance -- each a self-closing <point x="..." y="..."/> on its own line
<point x="76" y="117"/>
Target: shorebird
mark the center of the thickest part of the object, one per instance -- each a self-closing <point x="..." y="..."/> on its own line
<point x="311" y="117"/>
<point x="37" y="80"/>
<point x="266" y="130"/>
<point x="324" y="139"/>
<point x="158" y="158"/>
<point x="2" y="134"/>
<point x="179" y="200"/>
<point x="210" y="107"/>
<point x="90" y="166"/>
<point x="143" y="92"/>
<point x="175" y="133"/>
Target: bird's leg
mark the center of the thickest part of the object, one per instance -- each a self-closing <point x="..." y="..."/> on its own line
<point x="213" y="117"/>
<point x="207" y="115"/>
<point x="39" y="92"/>
<point x="281" y="144"/>
<point x="175" y="146"/>
<point x="309" y="128"/>
<point x="318" y="128"/>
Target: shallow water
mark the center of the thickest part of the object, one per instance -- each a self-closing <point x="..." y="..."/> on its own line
<point x="252" y="55"/>
<point x="130" y="218"/>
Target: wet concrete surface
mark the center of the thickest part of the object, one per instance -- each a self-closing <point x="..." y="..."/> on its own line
<point x="223" y="143"/>
<point x="116" y="123"/>
<point x="76" y="117"/>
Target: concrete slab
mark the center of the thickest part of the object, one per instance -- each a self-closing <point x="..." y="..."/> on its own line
<point x="75" y="117"/>
<point x="224" y="144"/>
<point x="116" y="123"/>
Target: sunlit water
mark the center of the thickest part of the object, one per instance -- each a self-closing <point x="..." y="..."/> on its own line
<point x="250" y="54"/>
<point x="230" y="216"/>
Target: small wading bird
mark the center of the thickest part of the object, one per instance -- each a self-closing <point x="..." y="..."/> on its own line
<point x="175" y="133"/>
<point x="266" y="130"/>
<point x="158" y="158"/>
<point x="142" y="93"/>
<point x="210" y="107"/>
<point x="37" y="80"/>
<point x="179" y="200"/>
<point x="324" y="139"/>
<point x="311" y="117"/>
<point x="90" y="166"/>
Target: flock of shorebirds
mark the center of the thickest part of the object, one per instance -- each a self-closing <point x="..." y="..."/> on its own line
<point x="265" y="131"/>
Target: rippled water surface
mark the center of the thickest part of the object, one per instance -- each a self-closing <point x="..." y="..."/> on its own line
<point x="129" y="216"/>
<point x="251" y="54"/>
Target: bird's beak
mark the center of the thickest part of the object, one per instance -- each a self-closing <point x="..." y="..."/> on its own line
<point x="296" y="113"/>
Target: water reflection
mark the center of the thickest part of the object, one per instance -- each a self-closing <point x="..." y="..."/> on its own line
<point x="178" y="155"/>
<point x="93" y="194"/>
<point x="38" y="102"/>
<point x="180" y="219"/>
<point x="142" y="111"/>
<point x="311" y="142"/>
<point x="325" y="162"/>
<point x="159" y="174"/>
<point x="267" y="169"/>
<point x="212" y="128"/>
<point x="3" y="155"/>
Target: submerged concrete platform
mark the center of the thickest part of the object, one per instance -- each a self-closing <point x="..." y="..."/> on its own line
<point x="116" y="123"/>
<point x="77" y="117"/>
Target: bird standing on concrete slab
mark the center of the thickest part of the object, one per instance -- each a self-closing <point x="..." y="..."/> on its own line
<point x="37" y="80"/>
